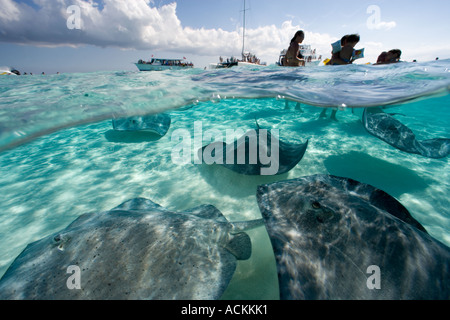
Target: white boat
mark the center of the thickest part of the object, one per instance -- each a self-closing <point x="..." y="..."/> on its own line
<point x="248" y="59"/>
<point x="163" y="64"/>
<point x="233" y="62"/>
<point x="310" y="56"/>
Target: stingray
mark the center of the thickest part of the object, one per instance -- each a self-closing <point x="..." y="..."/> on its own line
<point x="138" y="250"/>
<point x="385" y="127"/>
<point x="330" y="235"/>
<point x="257" y="152"/>
<point x="159" y="124"/>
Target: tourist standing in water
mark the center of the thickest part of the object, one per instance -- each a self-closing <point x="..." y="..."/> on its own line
<point x="392" y="56"/>
<point x="292" y="58"/>
<point x="337" y="48"/>
<point x="342" y="57"/>
<point x="345" y="55"/>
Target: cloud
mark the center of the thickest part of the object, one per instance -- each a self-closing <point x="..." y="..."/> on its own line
<point x="136" y="24"/>
<point x="132" y="24"/>
<point x="268" y="41"/>
<point x="386" y="26"/>
<point x="426" y="52"/>
<point x="10" y="11"/>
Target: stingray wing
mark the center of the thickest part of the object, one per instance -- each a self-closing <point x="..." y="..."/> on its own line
<point x="143" y="252"/>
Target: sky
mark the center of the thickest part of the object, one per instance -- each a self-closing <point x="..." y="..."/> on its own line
<point x="95" y="35"/>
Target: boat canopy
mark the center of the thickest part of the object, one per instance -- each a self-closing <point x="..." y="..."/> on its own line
<point x="157" y="60"/>
<point x="156" y="64"/>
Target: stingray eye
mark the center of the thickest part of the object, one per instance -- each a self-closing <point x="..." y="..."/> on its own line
<point x="59" y="241"/>
<point x="315" y="205"/>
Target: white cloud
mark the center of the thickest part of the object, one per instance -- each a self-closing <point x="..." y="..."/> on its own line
<point x="386" y="26"/>
<point x="137" y="24"/>
<point x="9" y="11"/>
<point x="426" y="52"/>
<point x="373" y="50"/>
<point x="268" y="41"/>
<point x="132" y="24"/>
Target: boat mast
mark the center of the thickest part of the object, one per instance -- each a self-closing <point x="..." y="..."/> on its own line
<point x="243" y="32"/>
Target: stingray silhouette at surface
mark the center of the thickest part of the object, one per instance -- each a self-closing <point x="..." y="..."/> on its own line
<point x="258" y="152"/>
<point x="337" y="239"/>
<point x="385" y="127"/>
<point x="158" y="124"/>
<point x="138" y="250"/>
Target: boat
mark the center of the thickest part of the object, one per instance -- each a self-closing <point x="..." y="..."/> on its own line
<point x="247" y="58"/>
<point x="230" y="62"/>
<point x="155" y="64"/>
<point x="9" y="71"/>
<point x="310" y="56"/>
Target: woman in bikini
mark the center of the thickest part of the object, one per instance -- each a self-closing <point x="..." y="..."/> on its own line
<point x="292" y="58"/>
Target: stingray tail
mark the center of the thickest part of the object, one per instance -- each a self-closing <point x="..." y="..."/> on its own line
<point x="257" y="124"/>
<point x="246" y="225"/>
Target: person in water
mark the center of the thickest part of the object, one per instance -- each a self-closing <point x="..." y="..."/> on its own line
<point x="293" y="57"/>
<point x="392" y="56"/>
<point x="335" y="54"/>
<point x="323" y="114"/>
<point x="342" y="57"/>
<point x="345" y="56"/>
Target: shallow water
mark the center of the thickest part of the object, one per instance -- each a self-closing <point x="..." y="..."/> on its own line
<point x="32" y="106"/>
<point x="61" y="157"/>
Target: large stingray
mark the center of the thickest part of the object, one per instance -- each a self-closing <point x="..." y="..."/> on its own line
<point x="159" y="124"/>
<point x="257" y="152"/>
<point x="385" y="127"/>
<point x="328" y="233"/>
<point x="138" y="250"/>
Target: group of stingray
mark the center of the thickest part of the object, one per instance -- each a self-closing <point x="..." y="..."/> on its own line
<point x="326" y="232"/>
<point x="378" y="123"/>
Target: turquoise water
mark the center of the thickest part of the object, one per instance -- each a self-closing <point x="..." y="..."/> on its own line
<point x="60" y="156"/>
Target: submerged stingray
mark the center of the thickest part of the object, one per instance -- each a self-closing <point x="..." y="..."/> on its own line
<point x="258" y="152"/>
<point x="138" y="250"/>
<point x="159" y="124"/>
<point x="330" y="235"/>
<point x="393" y="132"/>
